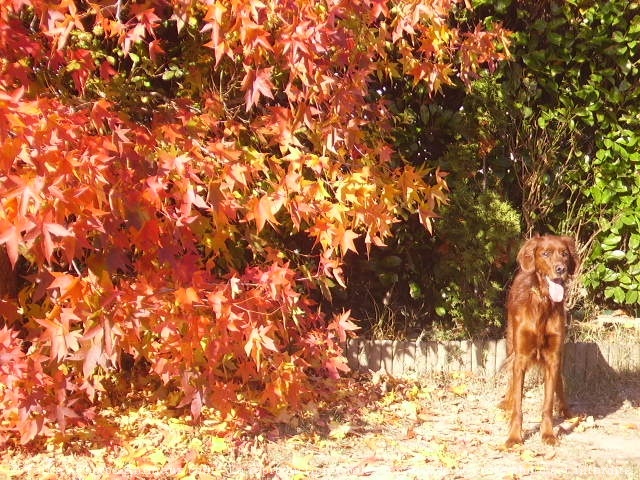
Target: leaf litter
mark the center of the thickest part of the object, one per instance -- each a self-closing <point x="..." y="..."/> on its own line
<point x="442" y="426"/>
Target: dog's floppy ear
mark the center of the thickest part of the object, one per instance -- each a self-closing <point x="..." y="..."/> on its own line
<point x="526" y="258"/>
<point x="571" y="246"/>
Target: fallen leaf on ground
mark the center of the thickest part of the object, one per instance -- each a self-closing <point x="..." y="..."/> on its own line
<point x="528" y="455"/>
<point x="570" y="424"/>
<point x="409" y="433"/>
<point x="339" y="431"/>
<point x="218" y="445"/>
<point x="301" y="462"/>
<point x="588" y="422"/>
<point x="460" y="390"/>
<point x="157" y="458"/>
<point x="409" y="410"/>
<point x="447" y="459"/>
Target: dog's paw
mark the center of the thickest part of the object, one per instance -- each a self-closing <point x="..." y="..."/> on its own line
<point x="549" y="439"/>
<point x="513" y="441"/>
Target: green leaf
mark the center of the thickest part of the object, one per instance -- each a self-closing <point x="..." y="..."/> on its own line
<point x="612" y="240"/>
<point x="415" y="291"/>
<point x="619" y="294"/>
<point x="631" y="297"/>
<point x="542" y="122"/>
<point x="614" y="255"/>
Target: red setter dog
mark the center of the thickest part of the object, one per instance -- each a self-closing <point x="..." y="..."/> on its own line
<point x="536" y="327"/>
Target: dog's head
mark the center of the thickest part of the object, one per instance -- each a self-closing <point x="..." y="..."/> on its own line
<point x="553" y="259"/>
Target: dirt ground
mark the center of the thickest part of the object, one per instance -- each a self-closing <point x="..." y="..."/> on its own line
<point x="462" y="432"/>
<point x="442" y="427"/>
<point x="453" y="430"/>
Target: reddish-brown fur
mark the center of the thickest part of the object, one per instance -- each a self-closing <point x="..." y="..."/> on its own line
<point x="536" y="328"/>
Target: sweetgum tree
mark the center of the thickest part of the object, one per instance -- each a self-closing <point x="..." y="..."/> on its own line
<point x="176" y="178"/>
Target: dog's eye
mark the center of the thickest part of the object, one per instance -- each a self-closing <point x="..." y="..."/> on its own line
<point x="546" y="253"/>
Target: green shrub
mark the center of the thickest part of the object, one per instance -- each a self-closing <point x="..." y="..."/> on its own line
<point x="452" y="284"/>
<point x="480" y="233"/>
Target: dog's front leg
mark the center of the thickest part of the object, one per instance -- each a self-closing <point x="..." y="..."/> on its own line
<point x="551" y="379"/>
<point x="517" y="385"/>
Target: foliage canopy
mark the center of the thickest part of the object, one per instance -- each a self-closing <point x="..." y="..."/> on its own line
<point x="552" y="135"/>
<point x="573" y="94"/>
<point x="177" y="177"/>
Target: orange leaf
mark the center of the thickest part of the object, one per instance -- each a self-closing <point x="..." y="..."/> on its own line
<point x="257" y="83"/>
<point x="263" y="211"/>
<point x="342" y="324"/>
<point x="155" y="50"/>
<point x="57" y="229"/>
<point x="425" y="214"/>
<point x="258" y="339"/>
<point x="346" y="238"/>
<point x="186" y="296"/>
<point x="11" y="238"/>
<point x="379" y="7"/>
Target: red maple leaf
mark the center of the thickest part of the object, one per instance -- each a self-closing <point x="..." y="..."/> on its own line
<point x="379" y="7"/>
<point x="80" y="65"/>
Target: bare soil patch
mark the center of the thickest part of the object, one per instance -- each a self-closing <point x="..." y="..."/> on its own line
<point x="441" y="427"/>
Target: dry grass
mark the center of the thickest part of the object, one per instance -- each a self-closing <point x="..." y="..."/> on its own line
<point x="615" y="327"/>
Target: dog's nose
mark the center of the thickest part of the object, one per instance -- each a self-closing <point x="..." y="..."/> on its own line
<point x="561" y="269"/>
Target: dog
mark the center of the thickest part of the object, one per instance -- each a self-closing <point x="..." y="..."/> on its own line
<point x="536" y="320"/>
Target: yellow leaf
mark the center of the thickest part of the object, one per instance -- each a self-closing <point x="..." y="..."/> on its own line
<point x="178" y="425"/>
<point x="196" y="444"/>
<point x="410" y="410"/>
<point x="460" y="390"/>
<point x="588" y="422"/>
<point x="6" y="472"/>
<point x="449" y="462"/>
<point x="528" y="455"/>
<point x="447" y="459"/>
<point x="218" y="445"/>
<point x="413" y="392"/>
<point x="158" y="458"/>
<point x="389" y="398"/>
<point x="301" y="462"/>
<point x="346" y="238"/>
<point x="339" y="431"/>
